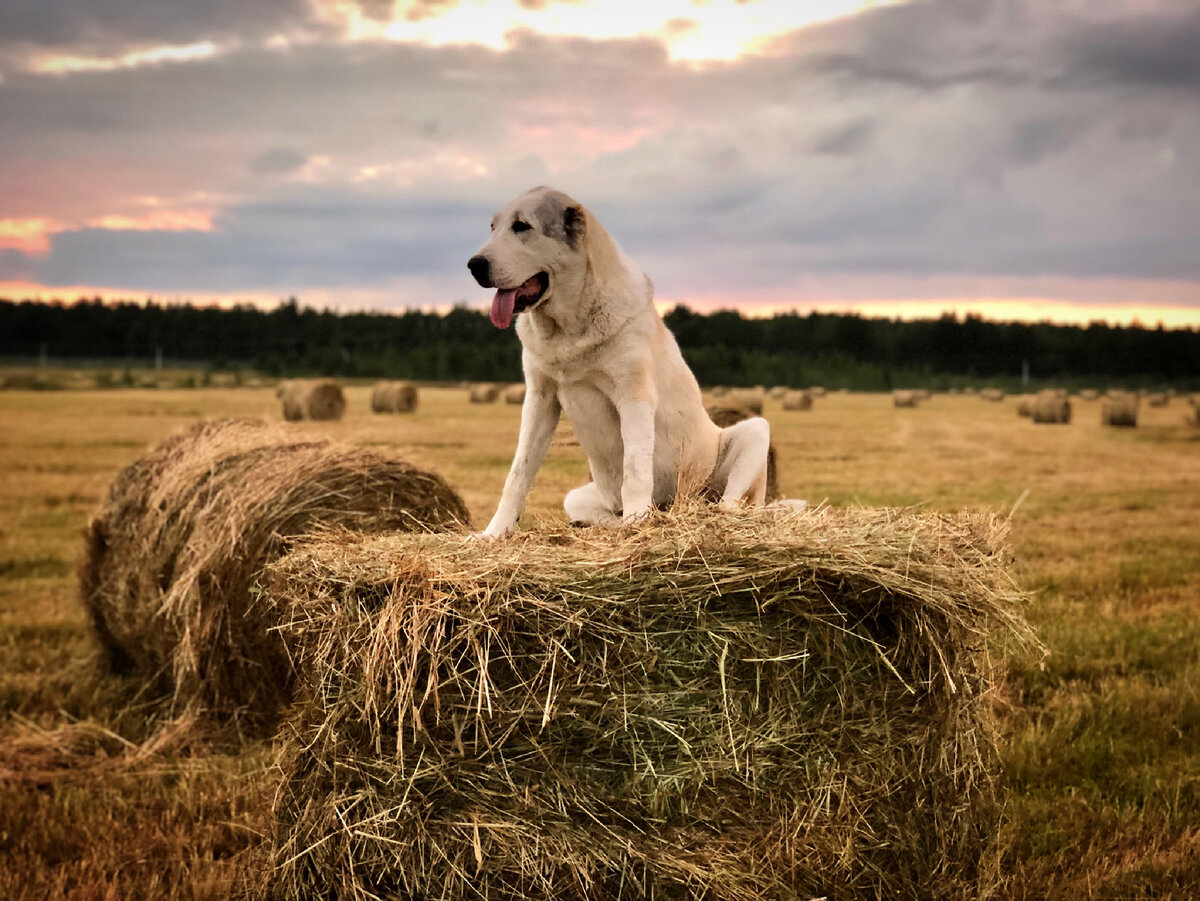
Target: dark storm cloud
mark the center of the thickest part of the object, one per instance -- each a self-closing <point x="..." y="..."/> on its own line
<point x="1135" y="52"/>
<point x="104" y="23"/>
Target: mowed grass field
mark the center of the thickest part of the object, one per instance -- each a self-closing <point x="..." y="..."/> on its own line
<point x="1102" y="762"/>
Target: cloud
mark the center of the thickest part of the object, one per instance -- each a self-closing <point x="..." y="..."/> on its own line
<point x="966" y="140"/>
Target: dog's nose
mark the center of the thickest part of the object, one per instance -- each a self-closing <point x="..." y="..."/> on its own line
<point x="481" y="269"/>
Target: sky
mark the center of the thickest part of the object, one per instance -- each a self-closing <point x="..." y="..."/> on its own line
<point x="1022" y="159"/>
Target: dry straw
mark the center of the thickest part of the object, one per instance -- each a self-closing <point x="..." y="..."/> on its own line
<point x="1119" y="410"/>
<point x="1051" y="406"/>
<point x="394" y="397"/>
<point x="727" y="416"/>
<point x="739" y="707"/>
<point x="172" y="555"/>
<point x="797" y="400"/>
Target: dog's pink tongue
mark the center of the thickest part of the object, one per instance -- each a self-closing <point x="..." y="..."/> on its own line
<point x="502" y="307"/>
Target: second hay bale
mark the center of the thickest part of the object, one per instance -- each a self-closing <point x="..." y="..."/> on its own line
<point x="394" y="397"/>
<point x="172" y="556"/>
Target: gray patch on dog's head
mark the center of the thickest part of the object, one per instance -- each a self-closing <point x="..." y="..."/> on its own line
<point x="561" y="218"/>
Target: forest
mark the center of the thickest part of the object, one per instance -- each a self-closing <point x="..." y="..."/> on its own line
<point x="724" y="347"/>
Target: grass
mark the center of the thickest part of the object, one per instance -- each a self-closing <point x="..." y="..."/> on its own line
<point x="1102" y="761"/>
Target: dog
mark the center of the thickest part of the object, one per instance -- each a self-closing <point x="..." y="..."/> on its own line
<point x="595" y="348"/>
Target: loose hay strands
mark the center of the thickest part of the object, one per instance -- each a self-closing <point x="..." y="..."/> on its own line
<point x="751" y="706"/>
<point x="171" y="557"/>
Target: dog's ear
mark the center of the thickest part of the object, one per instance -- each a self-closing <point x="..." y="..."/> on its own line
<point x="574" y="225"/>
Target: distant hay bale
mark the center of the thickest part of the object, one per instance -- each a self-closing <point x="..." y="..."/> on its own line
<point x="1089" y="394"/>
<point x="904" y="399"/>
<point x="748" y="398"/>
<point x="797" y="400"/>
<point x="992" y="394"/>
<point x="759" y="706"/>
<point x="321" y="399"/>
<point x="484" y="393"/>
<point x="922" y="394"/>
<point x="725" y="416"/>
<point x="719" y="391"/>
<point x="394" y="397"/>
<point x="1118" y="409"/>
<point x="1156" y="399"/>
<point x="778" y="392"/>
<point x="1051" y="407"/>
<point x="172" y="556"/>
<point x="817" y="391"/>
<point x="515" y="394"/>
<point x="325" y="400"/>
<point x="292" y="394"/>
<point x="1025" y="405"/>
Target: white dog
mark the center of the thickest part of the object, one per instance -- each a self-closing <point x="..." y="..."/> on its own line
<point x="595" y="348"/>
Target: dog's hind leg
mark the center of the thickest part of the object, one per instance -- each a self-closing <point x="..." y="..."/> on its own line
<point x="586" y="505"/>
<point x="741" y="473"/>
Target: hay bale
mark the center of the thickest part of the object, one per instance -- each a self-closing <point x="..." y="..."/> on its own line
<point x="719" y="391"/>
<point x="778" y="392"/>
<point x="172" y="556"/>
<point x="749" y="399"/>
<point x="797" y="400"/>
<point x="394" y="397"/>
<point x="817" y="391"/>
<point x="993" y="394"/>
<point x="325" y="400"/>
<point x="904" y="398"/>
<point x="515" y="394"/>
<point x="1156" y="399"/>
<point x="1089" y="394"/>
<point x="292" y="394"/>
<point x="922" y="394"/>
<point x="724" y="417"/>
<point x="484" y="393"/>
<point x="759" y="706"/>
<point x="1025" y="405"/>
<point x="1051" y="407"/>
<point x="1118" y="409"/>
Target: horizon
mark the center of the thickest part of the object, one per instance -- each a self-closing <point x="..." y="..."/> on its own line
<point x="893" y="158"/>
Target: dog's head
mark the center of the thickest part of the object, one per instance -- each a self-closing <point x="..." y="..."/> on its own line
<point x="537" y="243"/>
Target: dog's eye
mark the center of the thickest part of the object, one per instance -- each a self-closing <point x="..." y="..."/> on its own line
<point x="519" y="226"/>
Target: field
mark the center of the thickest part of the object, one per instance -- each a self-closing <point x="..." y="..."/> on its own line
<point x="1103" y="755"/>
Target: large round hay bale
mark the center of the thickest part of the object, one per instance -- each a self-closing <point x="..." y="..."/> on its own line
<point x="922" y="394"/>
<point x="817" y="391"/>
<point x="1089" y="394"/>
<point x="394" y="397"/>
<point x="484" y="393"/>
<point x="777" y="392"/>
<point x="758" y="706"/>
<point x="993" y="394"/>
<point x="797" y="400"/>
<point x="515" y="394"/>
<point x="1051" y="407"/>
<point x="1119" y="410"/>
<point x="172" y="556"/>
<point x="1156" y="399"/>
<point x="1025" y="405"/>
<point x="719" y="391"/>
<point x="725" y="416"/>
<point x="904" y="399"/>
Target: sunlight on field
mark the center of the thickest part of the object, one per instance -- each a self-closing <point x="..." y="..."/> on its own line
<point x="1105" y="737"/>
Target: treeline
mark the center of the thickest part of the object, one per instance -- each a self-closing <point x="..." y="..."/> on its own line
<point x="723" y="348"/>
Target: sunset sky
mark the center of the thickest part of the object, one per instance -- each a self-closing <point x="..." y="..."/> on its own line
<point x="1025" y="159"/>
